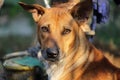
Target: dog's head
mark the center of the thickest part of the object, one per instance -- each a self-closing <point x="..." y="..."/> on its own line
<point x="59" y="29"/>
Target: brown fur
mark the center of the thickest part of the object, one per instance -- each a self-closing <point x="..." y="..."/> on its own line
<point x="79" y="59"/>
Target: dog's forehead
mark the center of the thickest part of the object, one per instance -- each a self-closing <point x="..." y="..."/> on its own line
<point x="57" y="10"/>
<point x="57" y="15"/>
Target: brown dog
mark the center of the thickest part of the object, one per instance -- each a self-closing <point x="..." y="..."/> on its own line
<point x="65" y="50"/>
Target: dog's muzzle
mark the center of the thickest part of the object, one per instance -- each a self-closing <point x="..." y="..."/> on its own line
<point x="51" y="54"/>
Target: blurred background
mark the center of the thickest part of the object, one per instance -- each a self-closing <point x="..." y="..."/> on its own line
<point x="18" y="30"/>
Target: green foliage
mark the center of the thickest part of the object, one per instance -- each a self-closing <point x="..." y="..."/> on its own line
<point x="13" y="2"/>
<point x="12" y="8"/>
<point x="14" y="43"/>
<point x="109" y="33"/>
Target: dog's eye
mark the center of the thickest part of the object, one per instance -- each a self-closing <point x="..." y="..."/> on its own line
<point x="44" y="29"/>
<point x="66" y="31"/>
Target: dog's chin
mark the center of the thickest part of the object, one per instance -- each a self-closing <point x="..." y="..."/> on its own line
<point x="52" y="59"/>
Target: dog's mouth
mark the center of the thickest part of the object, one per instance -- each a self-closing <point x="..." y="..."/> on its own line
<point x="52" y="59"/>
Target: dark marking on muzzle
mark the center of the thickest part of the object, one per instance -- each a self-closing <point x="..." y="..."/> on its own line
<point x="52" y="52"/>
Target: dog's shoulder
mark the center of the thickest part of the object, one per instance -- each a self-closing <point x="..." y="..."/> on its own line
<point x="101" y="68"/>
<point x="103" y="61"/>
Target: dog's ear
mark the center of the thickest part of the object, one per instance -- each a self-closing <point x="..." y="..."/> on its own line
<point x="36" y="10"/>
<point x="82" y="11"/>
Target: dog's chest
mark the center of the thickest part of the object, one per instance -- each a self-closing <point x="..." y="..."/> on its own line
<point x="54" y="72"/>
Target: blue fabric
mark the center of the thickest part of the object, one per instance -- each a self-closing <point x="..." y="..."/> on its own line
<point x="101" y="10"/>
<point x="100" y="14"/>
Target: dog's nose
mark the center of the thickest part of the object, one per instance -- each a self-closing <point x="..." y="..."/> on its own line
<point x="52" y="52"/>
